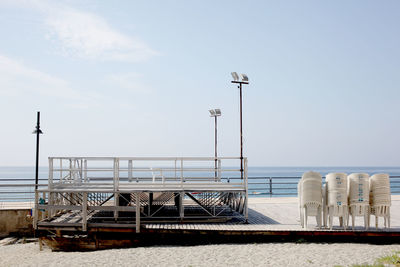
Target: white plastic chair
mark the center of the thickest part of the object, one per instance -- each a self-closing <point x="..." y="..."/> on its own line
<point x="380" y="198"/>
<point x="358" y="197"/>
<point x="310" y="197"/>
<point x="336" y="203"/>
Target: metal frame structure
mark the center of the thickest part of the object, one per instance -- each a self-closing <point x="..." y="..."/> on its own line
<point x="86" y="192"/>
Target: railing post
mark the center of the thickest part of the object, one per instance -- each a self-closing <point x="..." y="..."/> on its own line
<point x="182" y="180"/>
<point x="81" y="172"/>
<point x="51" y="194"/>
<point x="51" y="173"/>
<point x="270" y="186"/>
<point x="85" y="170"/>
<point x="175" y="170"/>
<point x="219" y="170"/>
<point x="36" y="211"/>
<point x="61" y="172"/>
<point x="44" y="215"/>
<point x="130" y="170"/>
<point x="70" y="169"/>
<point x="116" y="186"/>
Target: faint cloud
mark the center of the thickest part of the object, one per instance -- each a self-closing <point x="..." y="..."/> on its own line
<point x="16" y="79"/>
<point x="87" y="35"/>
<point x="130" y="81"/>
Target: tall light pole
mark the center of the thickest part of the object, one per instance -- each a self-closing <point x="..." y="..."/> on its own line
<point x="244" y="80"/>
<point x="215" y="113"/>
<point x="37" y="131"/>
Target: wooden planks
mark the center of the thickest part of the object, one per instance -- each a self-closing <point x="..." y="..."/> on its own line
<point x="264" y="215"/>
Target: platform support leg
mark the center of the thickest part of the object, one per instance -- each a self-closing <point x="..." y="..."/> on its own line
<point x="116" y="204"/>
<point x="84" y="212"/>
<point x="181" y="209"/>
<point x="150" y="204"/>
<point x="137" y="196"/>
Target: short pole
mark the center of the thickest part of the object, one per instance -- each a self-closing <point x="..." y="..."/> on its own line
<point x="37" y="150"/>
<point x="215" y="143"/>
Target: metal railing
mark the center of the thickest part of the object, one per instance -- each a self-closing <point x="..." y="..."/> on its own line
<point x="23" y="189"/>
<point x="120" y="173"/>
<point x="287" y="186"/>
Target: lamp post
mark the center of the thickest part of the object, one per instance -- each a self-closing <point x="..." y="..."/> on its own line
<point x="37" y="131"/>
<point x="244" y="80"/>
<point x="215" y="113"/>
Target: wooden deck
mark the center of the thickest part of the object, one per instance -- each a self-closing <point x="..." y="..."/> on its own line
<point x="281" y="214"/>
<point x="265" y="214"/>
<point x="270" y="220"/>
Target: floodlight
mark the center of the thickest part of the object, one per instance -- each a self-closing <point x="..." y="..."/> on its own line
<point x="215" y="112"/>
<point x="235" y="76"/>
<point x="244" y="77"/>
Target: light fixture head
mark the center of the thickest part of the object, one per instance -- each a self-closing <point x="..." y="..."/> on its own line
<point x="244" y="77"/>
<point x="235" y="76"/>
<point x="215" y="112"/>
<point x="35" y="131"/>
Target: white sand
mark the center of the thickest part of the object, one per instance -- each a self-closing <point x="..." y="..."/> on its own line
<point x="278" y="254"/>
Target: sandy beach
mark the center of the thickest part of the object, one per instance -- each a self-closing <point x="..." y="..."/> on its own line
<point x="273" y="254"/>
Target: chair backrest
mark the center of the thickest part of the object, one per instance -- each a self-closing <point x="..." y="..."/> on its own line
<point x="336" y="186"/>
<point x="358" y="188"/>
<point x="311" y="175"/>
<point x="380" y="189"/>
<point x="311" y="188"/>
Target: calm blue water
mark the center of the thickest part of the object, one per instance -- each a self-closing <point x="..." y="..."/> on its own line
<point x="259" y="182"/>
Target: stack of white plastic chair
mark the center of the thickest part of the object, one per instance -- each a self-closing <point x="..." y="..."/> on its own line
<point x="380" y="199"/>
<point x="358" y="195"/>
<point x="310" y="197"/>
<point x="336" y="198"/>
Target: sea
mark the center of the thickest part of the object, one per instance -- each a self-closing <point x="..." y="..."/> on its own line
<point x="17" y="183"/>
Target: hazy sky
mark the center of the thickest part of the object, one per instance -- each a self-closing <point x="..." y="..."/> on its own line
<point x="136" y="78"/>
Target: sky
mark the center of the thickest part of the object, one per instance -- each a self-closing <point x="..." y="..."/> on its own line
<point x="137" y="78"/>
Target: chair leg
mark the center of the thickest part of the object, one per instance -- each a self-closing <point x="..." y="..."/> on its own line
<point x="366" y="221"/>
<point x="330" y="218"/>
<point x="352" y="221"/>
<point x="376" y="221"/>
<point x="302" y="217"/>
<point x="388" y="216"/>
<point x="319" y="217"/>
<point x="305" y="217"/>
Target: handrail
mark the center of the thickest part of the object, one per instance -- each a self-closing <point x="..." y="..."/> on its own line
<point x="272" y="186"/>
